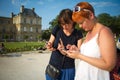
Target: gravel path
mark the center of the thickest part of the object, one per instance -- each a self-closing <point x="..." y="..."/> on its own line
<point x="29" y="66"/>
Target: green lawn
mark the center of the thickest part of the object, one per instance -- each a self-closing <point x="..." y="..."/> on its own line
<point x="23" y="46"/>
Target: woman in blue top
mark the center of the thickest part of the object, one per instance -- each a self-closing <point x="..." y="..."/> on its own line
<point x="67" y="33"/>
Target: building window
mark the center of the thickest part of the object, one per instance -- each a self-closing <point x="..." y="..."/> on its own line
<point x="31" y="21"/>
<point x="31" y="37"/>
<point x="25" y="29"/>
<point x="24" y="20"/>
<point x="11" y="30"/>
<point x="36" y="29"/>
<point x="2" y="36"/>
<point x="1" y="21"/>
<point x="7" y="22"/>
<point x="3" y="30"/>
<point x="11" y="36"/>
<point x="22" y="29"/>
<point x="31" y="29"/>
<point x="37" y="21"/>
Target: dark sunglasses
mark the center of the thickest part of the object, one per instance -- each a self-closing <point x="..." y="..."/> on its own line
<point x="77" y="9"/>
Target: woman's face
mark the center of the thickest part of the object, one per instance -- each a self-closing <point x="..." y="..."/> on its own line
<point x="67" y="26"/>
<point x="85" y="24"/>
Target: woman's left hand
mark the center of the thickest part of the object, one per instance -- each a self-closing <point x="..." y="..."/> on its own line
<point x="72" y="54"/>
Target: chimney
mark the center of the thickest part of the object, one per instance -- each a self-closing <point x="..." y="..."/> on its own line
<point x="12" y="14"/>
<point x="22" y="9"/>
<point x="33" y="9"/>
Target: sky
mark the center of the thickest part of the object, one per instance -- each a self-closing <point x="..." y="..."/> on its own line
<point x="49" y="9"/>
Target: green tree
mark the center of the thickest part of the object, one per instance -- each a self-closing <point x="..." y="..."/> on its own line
<point x="26" y="37"/>
<point x="6" y="37"/>
<point x="38" y="37"/>
<point x="112" y="22"/>
<point x="105" y="19"/>
<point x="53" y="23"/>
<point x="117" y="24"/>
<point x="46" y="34"/>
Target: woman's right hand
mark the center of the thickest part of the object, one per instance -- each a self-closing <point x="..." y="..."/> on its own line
<point x="61" y="47"/>
<point x="49" y="46"/>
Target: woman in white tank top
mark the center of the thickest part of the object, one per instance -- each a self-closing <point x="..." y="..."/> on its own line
<point x="97" y="55"/>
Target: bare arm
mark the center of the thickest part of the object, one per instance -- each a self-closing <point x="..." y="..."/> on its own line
<point x="50" y="43"/>
<point x="108" y="50"/>
<point x="52" y="38"/>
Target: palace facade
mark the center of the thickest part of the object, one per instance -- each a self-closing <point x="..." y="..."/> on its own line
<point x="25" y="26"/>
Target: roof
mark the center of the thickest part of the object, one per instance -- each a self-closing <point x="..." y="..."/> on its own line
<point x="29" y="12"/>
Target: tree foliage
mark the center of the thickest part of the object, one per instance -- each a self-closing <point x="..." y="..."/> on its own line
<point x="53" y="23"/>
<point x="105" y="19"/>
<point x="113" y="22"/>
<point x="46" y="34"/>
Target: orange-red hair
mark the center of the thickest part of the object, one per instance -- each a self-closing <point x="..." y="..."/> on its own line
<point x="78" y="16"/>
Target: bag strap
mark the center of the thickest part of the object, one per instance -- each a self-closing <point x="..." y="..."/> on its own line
<point x="62" y="61"/>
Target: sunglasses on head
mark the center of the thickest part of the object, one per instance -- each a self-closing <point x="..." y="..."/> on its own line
<point x="78" y="9"/>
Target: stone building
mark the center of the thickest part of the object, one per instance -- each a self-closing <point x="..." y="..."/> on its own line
<point x="25" y="26"/>
<point x="7" y="29"/>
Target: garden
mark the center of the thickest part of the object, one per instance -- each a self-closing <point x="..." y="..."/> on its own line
<point x="10" y="47"/>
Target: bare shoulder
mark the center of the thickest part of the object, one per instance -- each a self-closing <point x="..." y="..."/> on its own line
<point x="107" y="32"/>
<point x="106" y="36"/>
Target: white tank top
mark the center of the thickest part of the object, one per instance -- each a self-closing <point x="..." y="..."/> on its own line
<point x="87" y="71"/>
